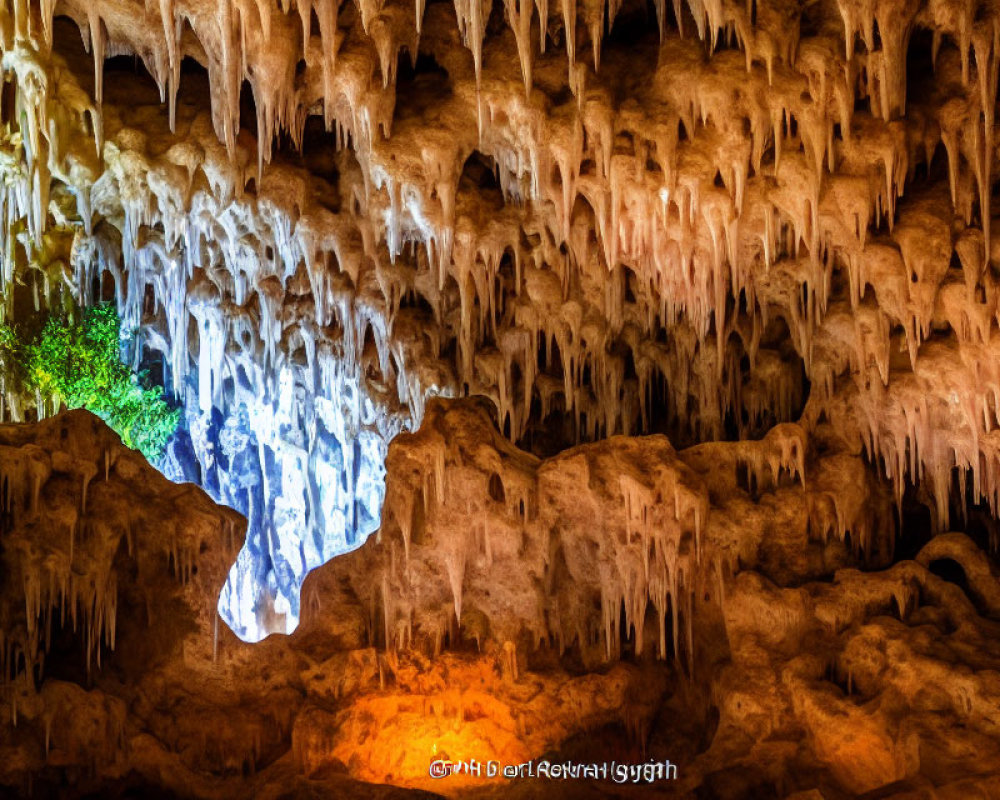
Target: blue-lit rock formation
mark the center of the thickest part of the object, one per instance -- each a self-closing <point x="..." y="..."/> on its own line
<point x="307" y="497"/>
<point x="290" y="440"/>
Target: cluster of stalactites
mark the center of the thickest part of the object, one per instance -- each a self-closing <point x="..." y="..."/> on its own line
<point x="483" y="542"/>
<point x="51" y="110"/>
<point x="61" y="554"/>
<point x="654" y="220"/>
<point x="240" y="271"/>
<point x="462" y="518"/>
<point x="61" y="547"/>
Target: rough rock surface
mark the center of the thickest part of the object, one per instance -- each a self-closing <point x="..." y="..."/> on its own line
<point x="730" y="626"/>
<point x="726" y="277"/>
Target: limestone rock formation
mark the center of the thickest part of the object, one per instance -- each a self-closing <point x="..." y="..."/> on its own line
<point x="638" y="362"/>
<point x="735" y="626"/>
<point x="96" y="546"/>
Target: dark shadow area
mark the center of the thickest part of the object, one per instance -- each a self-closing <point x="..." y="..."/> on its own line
<point x="950" y="570"/>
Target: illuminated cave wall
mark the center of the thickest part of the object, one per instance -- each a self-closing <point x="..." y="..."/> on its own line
<point x="279" y="422"/>
<point x="606" y="219"/>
